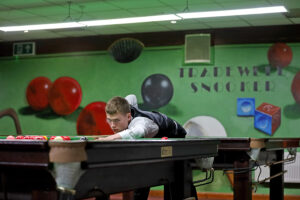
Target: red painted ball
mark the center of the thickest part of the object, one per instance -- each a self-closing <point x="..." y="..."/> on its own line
<point x="37" y="93"/>
<point x="65" y="95"/>
<point x="92" y="120"/>
<point x="296" y="87"/>
<point x="280" y="55"/>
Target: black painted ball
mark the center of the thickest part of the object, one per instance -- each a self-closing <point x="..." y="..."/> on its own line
<point x="157" y="90"/>
<point x="126" y="50"/>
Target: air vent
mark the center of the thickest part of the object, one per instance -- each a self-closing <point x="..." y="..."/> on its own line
<point x="197" y="48"/>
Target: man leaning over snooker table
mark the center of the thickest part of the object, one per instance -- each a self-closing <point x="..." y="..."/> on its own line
<point x="129" y="122"/>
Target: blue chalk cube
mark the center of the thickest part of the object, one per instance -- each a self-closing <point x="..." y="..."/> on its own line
<point x="263" y="122"/>
<point x="267" y="118"/>
<point x="245" y="106"/>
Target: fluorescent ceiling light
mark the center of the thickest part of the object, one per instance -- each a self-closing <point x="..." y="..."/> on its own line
<point x="131" y="20"/>
<point x="41" y="27"/>
<point x="236" y="12"/>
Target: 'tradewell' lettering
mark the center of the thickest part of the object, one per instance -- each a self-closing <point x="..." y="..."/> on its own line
<point x="207" y="79"/>
<point x="202" y="72"/>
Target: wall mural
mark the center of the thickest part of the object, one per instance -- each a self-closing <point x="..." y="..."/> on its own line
<point x="267" y="117"/>
<point x="228" y="92"/>
<point x="64" y="98"/>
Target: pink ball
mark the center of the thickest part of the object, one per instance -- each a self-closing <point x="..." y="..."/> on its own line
<point x="10" y="137"/>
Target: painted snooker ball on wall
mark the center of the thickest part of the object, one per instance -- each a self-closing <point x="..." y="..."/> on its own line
<point x="296" y="88"/>
<point x="65" y="95"/>
<point x="92" y="120"/>
<point x="157" y="90"/>
<point x="280" y="55"/>
<point x="126" y="50"/>
<point x="37" y="93"/>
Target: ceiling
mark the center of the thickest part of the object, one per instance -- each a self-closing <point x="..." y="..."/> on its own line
<point x="24" y="12"/>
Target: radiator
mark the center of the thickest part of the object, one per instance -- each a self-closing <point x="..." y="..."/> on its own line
<point x="291" y="176"/>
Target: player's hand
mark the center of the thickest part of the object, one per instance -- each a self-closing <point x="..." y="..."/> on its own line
<point x="102" y="139"/>
<point x="109" y="138"/>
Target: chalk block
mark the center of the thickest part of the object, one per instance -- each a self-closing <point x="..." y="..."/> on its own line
<point x="245" y="106"/>
<point x="267" y="118"/>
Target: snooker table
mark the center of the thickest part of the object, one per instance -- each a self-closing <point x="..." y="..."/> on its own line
<point x="240" y="155"/>
<point x="76" y="169"/>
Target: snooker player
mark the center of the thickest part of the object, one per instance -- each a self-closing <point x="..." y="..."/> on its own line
<point x="129" y="122"/>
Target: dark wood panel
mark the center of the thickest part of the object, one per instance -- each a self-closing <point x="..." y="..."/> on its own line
<point x="242" y="35"/>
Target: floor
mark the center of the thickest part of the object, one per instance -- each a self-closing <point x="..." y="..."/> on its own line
<point x="119" y="197"/>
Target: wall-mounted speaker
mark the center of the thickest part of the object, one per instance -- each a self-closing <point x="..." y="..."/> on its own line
<point x="197" y="48"/>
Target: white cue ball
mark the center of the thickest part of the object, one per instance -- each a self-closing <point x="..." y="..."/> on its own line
<point x="58" y="138"/>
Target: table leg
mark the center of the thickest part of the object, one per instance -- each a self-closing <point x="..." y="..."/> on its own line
<point x="45" y="195"/>
<point x="242" y="180"/>
<point x="127" y="195"/>
<point x="277" y="183"/>
<point x="182" y="187"/>
<point x="3" y="183"/>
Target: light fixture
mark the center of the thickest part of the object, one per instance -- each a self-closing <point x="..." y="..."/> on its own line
<point x="236" y="12"/>
<point x="41" y="27"/>
<point x="131" y="20"/>
<point x="104" y="22"/>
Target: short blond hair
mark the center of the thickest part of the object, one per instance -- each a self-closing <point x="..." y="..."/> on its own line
<point x="117" y="105"/>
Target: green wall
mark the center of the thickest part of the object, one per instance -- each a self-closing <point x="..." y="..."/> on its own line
<point x="101" y="78"/>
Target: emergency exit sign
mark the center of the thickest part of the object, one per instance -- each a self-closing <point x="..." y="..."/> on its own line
<point x="24" y="49"/>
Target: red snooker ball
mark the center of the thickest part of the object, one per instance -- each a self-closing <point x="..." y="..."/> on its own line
<point x="65" y="95"/>
<point x="66" y="137"/>
<point x="92" y="120"/>
<point x="52" y="137"/>
<point x="37" y="93"/>
<point x="280" y="55"/>
<point x="20" y="137"/>
<point x="296" y="87"/>
<point x="38" y="137"/>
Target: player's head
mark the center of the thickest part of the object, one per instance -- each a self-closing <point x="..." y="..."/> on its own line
<point x="118" y="114"/>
